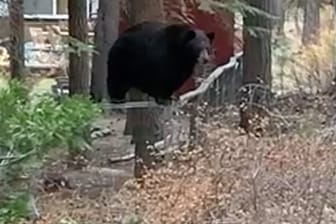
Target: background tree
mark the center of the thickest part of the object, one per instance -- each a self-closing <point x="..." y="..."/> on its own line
<point x="106" y="32"/>
<point x="334" y="28"/>
<point x="311" y="21"/>
<point x="78" y="60"/>
<point x="138" y="12"/>
<point x="280" y="11"/>
<point x="333" y="86"/>
<point x="334" y="13"/>
<point x="16" y="24"/>
<point x="257" y="58"/>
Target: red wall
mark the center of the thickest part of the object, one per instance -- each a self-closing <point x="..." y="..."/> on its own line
<point x="222" y="25"/>
<point x="223" y="42"/>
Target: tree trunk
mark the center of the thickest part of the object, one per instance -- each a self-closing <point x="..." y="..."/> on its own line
<point x="128" y="130"/>
<point x="257" y="63"/>
<point x="332" y="88"/>
<point x="16" y="24"/>
<point x="78" y="63"/>
<point x="138" y="13"/>
<point x="106" y="32"/>
<point x="334" y="48"/>
<point x="282" y="17"/>
<point x="311" y="22"/>
<point x="334" y="14"/>
<point x="147" y="129"/>
<point x="146" y="124"/>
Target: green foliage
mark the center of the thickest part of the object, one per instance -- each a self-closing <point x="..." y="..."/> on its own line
<point x="30" y="128"/>
<point x="14" y="209"/>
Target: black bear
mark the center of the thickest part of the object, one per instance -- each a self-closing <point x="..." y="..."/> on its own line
<point x="156" y="59"/>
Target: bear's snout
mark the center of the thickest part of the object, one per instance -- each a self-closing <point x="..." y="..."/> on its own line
<point x="204" y="57"/>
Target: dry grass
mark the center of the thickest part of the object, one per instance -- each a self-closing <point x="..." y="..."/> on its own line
<point x="229" y="178"/>
<point x="240" y="179"/>
<point x="307" y="68"/>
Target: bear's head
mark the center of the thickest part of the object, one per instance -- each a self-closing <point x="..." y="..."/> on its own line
<point x="198" y="44"/>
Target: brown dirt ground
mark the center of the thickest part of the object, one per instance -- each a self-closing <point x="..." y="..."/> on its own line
<point x="89" y="191"/>
<point x="94" y="199"/>
<point x="91" y="185"/>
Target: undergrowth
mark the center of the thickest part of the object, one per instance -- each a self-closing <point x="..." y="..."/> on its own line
<point x="227" y="178"/>
<point x="304" y="68"/>
<point x="30" y="127"/>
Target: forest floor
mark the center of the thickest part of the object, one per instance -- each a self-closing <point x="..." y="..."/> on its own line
<point x="287" y="176"/>
<point x="85" y="188"/>
<point x="81" y="187"/>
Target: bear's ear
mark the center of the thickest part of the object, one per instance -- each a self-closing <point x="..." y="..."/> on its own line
<point x="189" y="35"/>
<point x="211" y="36"/>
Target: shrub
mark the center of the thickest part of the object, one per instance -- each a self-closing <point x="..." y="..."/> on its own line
<point x="32" y="125"/>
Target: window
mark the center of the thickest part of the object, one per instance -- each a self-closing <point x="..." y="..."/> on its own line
<point x="42" y="7"/>
<point x="61" y="7"/>
<point x="52" y="9"/>
<point x="93" y="7"/>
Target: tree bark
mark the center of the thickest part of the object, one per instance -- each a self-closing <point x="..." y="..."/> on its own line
<point x="311" y="22"/>
<point x="147" y="129"/>
<point x="280" y="26"/>
<point x="146" y="124"/>
<point x="334" y="14"/>
<point x="257" y="62"/>
<point x="334" y="48"/>
<point x="78" y="63"/>
<point x="106" y="32"/>
<point x="138" y="13"/>
<point x="144" y="10"/>
<point x="332" y="88"/>
<point x="16" y="24"/>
